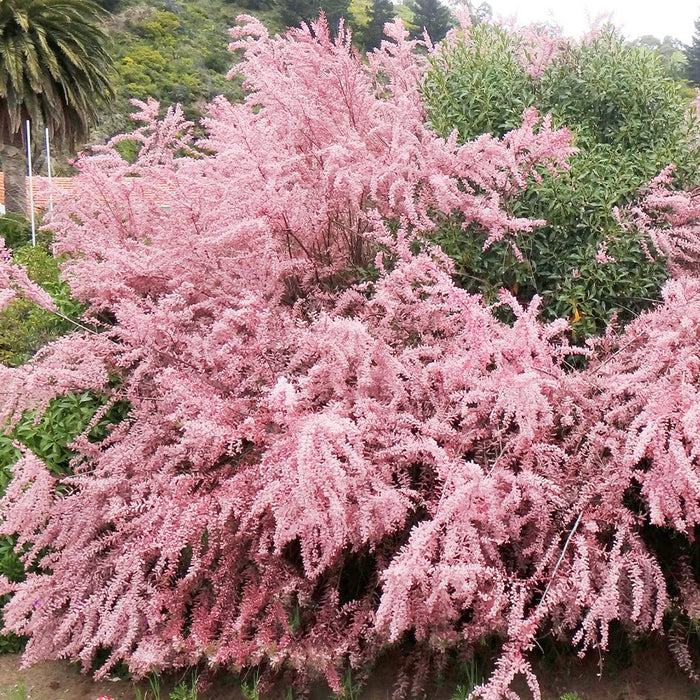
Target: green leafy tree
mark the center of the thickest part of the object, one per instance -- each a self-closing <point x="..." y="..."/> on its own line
<point x="381" y="12"/>
<point x="629" y="121"/>
<point x="335" y="11"/>
<point x="670" y="50"/>
<point x="432" y="16"/>
<point x="54" y="68"/>
<point x="692" y="56"/>
<point x="293" y="12"/>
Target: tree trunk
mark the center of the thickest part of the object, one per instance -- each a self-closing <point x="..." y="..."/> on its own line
<point x="14" y="166"/>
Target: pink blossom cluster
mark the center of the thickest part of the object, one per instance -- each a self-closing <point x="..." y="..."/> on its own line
<point x="670" y="221"/>
<point x="539" y="46"/>
<point x="331" y="447"/>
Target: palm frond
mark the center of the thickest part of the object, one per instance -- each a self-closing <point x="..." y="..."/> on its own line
<point x="54" y="66"/>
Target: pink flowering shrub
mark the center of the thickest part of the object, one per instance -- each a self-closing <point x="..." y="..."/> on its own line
<point x="330" y="447"/>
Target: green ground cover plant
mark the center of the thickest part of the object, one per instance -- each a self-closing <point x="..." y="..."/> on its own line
<point x="24" y="327"/>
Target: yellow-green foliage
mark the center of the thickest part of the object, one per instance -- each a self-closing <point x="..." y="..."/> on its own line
<point x="405" y="14"/>
<point x="178" y="52"/>
<point x="359" y="11"/>
<point x="175" y="53"/>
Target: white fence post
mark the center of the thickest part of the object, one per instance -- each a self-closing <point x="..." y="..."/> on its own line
<point x="48" y="167"/>
<point x="31" y="183"/>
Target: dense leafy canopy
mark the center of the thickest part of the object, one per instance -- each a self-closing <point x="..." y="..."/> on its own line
<point x="629" y="121"/>
<point x="380" y="12"/>
<point x="692" y="55"/>
<point x="433" y="17"/>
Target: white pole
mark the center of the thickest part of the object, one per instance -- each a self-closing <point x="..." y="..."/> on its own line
<point x="31" y="184"/>
<point x="48" y="167"/>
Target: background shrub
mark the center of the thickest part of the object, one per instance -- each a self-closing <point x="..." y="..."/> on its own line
<point x="15" y="230"/>
<point x="629" y="121"/>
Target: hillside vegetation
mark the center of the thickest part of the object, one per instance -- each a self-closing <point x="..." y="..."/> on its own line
<point x="177" y="51"/>
<point x="173" y="51"/>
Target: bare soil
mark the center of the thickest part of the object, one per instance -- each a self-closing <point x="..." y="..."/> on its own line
<point x="649" y="675"/>
<point x="55" y="680"/>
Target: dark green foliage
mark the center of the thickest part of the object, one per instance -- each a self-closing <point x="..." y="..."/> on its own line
<point x="618" y="94"/>
<point x="257" y="5"/>
<point x="479" y="87"/>
<point x="433" y="16"/>
<point x="335" y="10"/>
<point x="12" y="568"/>
<point x="692" y="56"/>
<point x="380" y="12"/>
<point x="294" y="12"/>
<point x="110" y="5"/>
<point x="15" y="230"/>
<point x="628" y="120"/>
<point x="64" y="419"/>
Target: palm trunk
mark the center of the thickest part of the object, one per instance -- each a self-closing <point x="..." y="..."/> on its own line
<point x="14" y="166"/>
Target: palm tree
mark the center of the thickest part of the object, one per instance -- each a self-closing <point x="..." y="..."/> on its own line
<point x="54" y="67"/>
